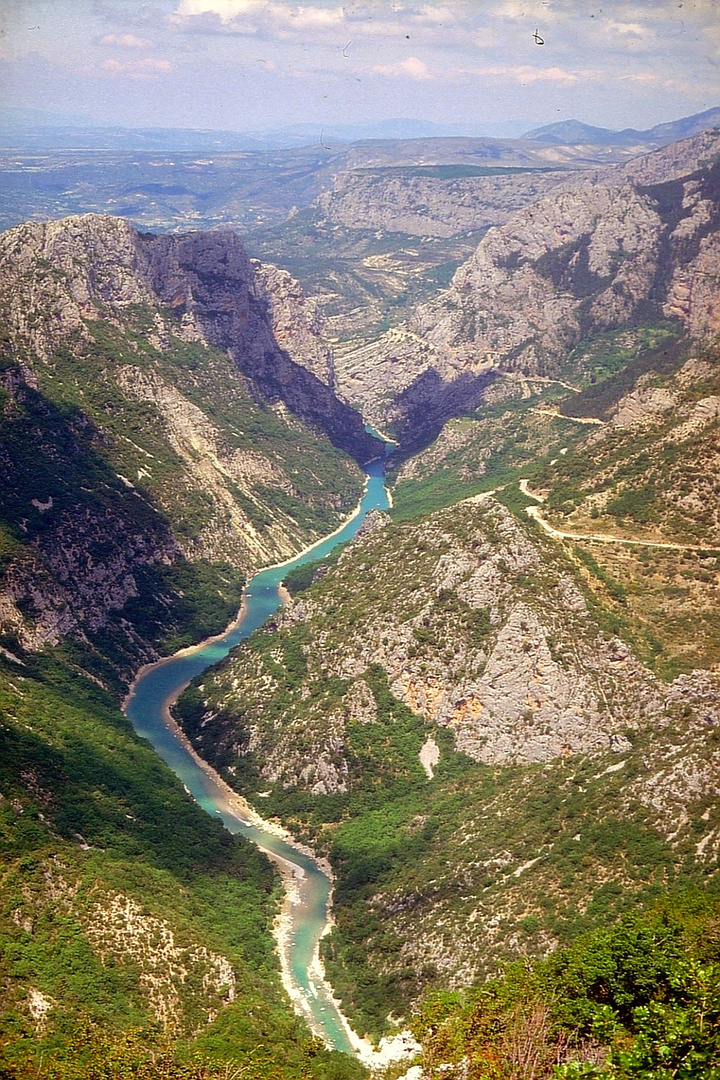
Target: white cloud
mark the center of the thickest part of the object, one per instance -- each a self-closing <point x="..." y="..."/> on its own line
<point x="227" y="10"/>
<point x="526" y="74"/>
<point x="294" y="15"/>
<point x="442" y="15"/>
<point x="527" y="10"/>
<point x="310" y="16"/>
<point x="412" y="68"/>
<point x="641" y="77"/>
<point x="127" y="41"/>
<point x="146" y="68"/>
<point x="628" y="28"/>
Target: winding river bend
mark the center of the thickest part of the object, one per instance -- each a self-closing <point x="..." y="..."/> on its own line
<point x="146" y="707"/>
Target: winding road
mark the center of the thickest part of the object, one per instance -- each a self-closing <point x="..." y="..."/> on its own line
<point x="535" y="512"/>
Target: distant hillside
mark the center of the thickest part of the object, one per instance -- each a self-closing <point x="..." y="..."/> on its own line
<point x="633" y="243"/>
<point x="575" y="133"/>
<point x="571" y="132"/>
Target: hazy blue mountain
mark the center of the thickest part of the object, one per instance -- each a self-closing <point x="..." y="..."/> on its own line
<point x="35" y="129"/>
<point x="574" y="133"/>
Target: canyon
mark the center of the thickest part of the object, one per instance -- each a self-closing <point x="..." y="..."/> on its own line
<point x="500" y="736"/>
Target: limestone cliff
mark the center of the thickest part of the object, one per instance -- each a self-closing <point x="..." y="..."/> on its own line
<point x="90" y="266"/>
<point x="136" y="458"/>
<point x="477" y="629"/>
<point x="630" y="242"/>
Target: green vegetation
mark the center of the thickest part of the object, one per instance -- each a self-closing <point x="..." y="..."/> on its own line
<point x="92" y="824"/>
<point x="53" y="456"/>
<point x="640" y="1001"/>
<point x="301" y="577"/>
<point x="142" y="444"/>
<point x="114" y="521"/>
<point x="608" y="365"/>
<point x="652" y="478"/>
<point x="113" y="383"/>
<point x="485" y="450"/>
<point x="134" y="931"/>
<point x="484" y="861"/>
<point x="409" y="854"/>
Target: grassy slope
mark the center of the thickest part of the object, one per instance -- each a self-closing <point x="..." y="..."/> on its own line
<point x="657" y="480"/>
<point x="654" y="479"/>
<point x="500" y="442"/>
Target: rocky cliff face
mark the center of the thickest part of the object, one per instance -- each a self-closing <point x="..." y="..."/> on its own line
<point x="478" y="631"/>
<point x="71" y="556"/>
<point x="204" y="279"/>
<point x="638" y="241"/>
<point x="132" y="447"/>
<point x="420" y="205"/>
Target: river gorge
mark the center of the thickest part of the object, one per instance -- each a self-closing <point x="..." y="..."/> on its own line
<point x="308" y="886"/>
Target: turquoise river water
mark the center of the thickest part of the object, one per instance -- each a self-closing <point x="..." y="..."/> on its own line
<point x="146" y="708"/>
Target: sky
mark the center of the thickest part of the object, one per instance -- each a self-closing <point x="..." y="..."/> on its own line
<point x="249" y="65"/>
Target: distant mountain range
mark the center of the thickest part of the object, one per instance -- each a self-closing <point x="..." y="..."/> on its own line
<point x="575" y="133"/>
<point x="34" y="129"/>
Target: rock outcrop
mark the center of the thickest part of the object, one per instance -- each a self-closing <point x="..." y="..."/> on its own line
<point x="481" y="632"/>
<point x="135" y="436"/>
<point x="84" y="267"/>
<point x="632" y="242"/>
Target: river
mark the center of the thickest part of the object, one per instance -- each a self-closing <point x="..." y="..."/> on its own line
<point x="146" y="707"/>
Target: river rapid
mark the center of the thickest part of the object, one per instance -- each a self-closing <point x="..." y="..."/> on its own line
<point x="308" y="887"/>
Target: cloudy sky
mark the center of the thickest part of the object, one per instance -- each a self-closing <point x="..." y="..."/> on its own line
<point x="251" y="64"/>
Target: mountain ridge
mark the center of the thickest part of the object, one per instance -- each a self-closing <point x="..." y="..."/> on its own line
<point x="573" y="132"/>
<point x="631" y="243"/>
<point x="140" y="465"/>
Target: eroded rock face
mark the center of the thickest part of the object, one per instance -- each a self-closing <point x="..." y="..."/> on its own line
<point x="122" y="450"/>
<point x="431" y="206"/>
<point x="637" y="241"/>
<point x="482" y="632"/>
<point x="229" y="535"/>
<point x="81" y="561"/>
<point x="683" y="772"/>
<point x="296" y="321"/>
<point x="90" y="267"/>
<point x="517" y="299"/>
